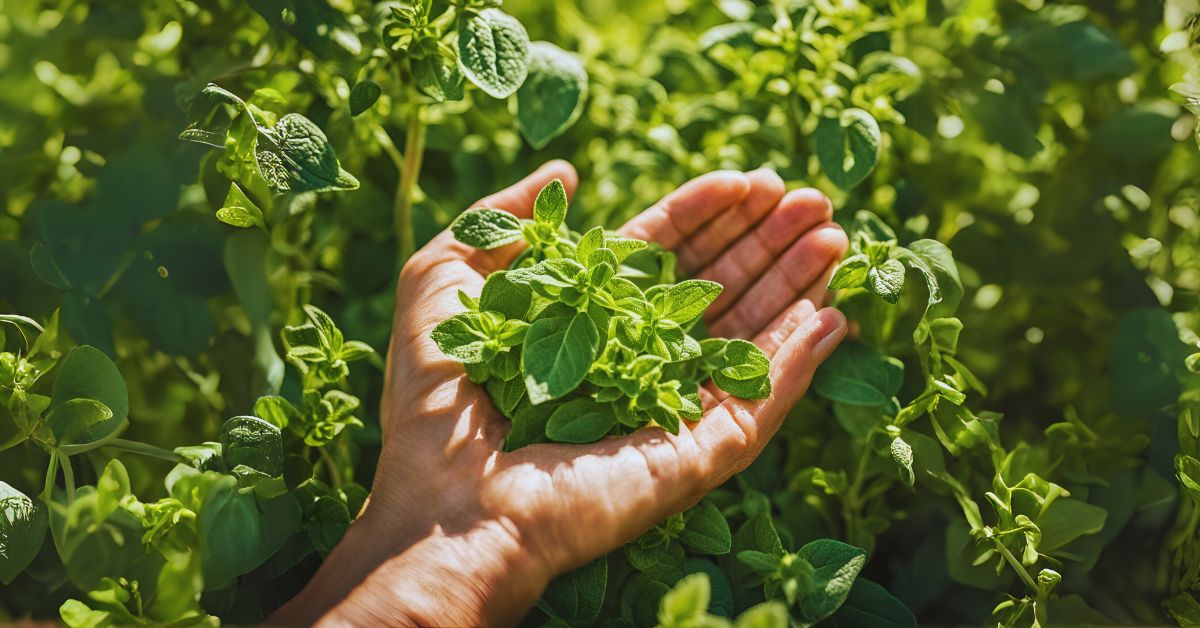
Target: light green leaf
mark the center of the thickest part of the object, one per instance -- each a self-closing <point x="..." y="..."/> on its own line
<point x="551" y="98"/>
<point x="493" y="51"/>
<point x="851" y="273"/>
<point x="688" y="600"/>
<point x="887" y="280"/>
<point x="239" y="210"/>
<point x="550" y="207"/>
<point x="460" y="338"/>
<point x="485" y="228"/>
<point x="745" y="371"/>
<point x="688" y="299"/>
<point x="836" y="566"/>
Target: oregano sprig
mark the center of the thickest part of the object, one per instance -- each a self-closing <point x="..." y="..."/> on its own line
<point x="589" y="334"/>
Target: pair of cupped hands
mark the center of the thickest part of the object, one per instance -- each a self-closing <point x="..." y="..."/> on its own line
<point x="458" y="532"/>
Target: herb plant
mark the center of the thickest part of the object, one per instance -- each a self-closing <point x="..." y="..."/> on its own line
<point x="587" y="335"/>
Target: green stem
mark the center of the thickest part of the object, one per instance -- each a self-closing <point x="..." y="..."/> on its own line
<point x="1016" y="564"/>
<point x="69" y="478"/>
<point x="144" y="449"/>
<point x="51" y="472"/>
<point x="335" y="476"/>
<point x="414" y="151"/>
<point x="851" y="505"/>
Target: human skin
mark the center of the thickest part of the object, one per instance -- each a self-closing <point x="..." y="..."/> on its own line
<point x="458" y="532"/>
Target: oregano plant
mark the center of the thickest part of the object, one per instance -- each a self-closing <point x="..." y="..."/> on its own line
<point x="589" y="334"/>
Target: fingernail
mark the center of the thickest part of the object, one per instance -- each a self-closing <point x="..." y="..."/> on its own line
<point x="831" y="328"/>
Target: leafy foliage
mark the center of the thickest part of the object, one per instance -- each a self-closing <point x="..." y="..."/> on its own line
<point x="1014" y="430"/>
<point x="591" y="330"/>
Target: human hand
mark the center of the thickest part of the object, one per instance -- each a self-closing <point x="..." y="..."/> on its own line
<point x="459" y="532"/>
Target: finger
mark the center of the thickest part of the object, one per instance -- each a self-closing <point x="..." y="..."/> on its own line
<point x="741" y="265"/>
<point x="679" y="214"/>
<point x="733" y="433"/>
<point x="792" y="274"/>
<point x="516" y="199"/>
<point x="766" y="189"/>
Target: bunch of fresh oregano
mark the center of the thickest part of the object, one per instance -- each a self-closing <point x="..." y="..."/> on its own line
<point x="588" y="335"/>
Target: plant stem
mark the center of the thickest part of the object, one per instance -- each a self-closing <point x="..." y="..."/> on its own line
<point x="414" y="151"/>
<point x="1016" y="564"/>
<point x="69" y="478"/>
<point x="335" y="476"/>
<point x="51" y="472"/>
<point x="145" y="449"/>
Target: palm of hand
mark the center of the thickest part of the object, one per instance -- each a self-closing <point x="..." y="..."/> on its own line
<point x="556" y="506"/>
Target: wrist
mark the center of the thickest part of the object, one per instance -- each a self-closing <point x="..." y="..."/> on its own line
<point x="478" y="574"/>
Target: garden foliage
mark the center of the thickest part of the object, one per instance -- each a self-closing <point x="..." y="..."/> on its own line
<point x="189" y="346"/>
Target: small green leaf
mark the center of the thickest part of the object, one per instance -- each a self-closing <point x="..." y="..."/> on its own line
<point x="253" y="442"/>
<point x="688" y="600"/>
<point x="550" y="207"/>
<point x="902" y="454"/>
<point x="239" y="210"/>
<point x="745" y="371"/>
<point x="887" y="280"/>
<point x="68" y="420"/>
<point x="438" y="77"/>
<point x="22" y="530"/>
<point x="687" y="300"/>
<point x="363" y="96"/>
<point x="493" y="51"/>
<point x="847" y="146"/>
<point x="580" y="421"/>
<point x="461" y="338"/>
<point x="86" y="373"/>
<point x="836" y="566"/>
<point x="486" y="228"/>
<point x="551" y="98"/>
<point x="706" y="531"/>
<point x="851" y="273"/>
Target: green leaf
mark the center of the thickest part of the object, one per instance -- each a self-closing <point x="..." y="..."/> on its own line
<point x="550" y="207"/>
<point x="363" y="96"/>
<point x="847" y="146"/>
<point x="851" y="273"/>
<point x="858" y="374"/>
<point x="529" y="426"/>
<point x="745" y="371"/>
<point x="765" y="615"/>
<point x="902" y="454"/>
<point x="239" y="210"/>
<point x="504" y="297"/>
<point x="687" y="600"/>
<point x="760" y="562"/>
<point x="557" y="354"/>
<point x="22" y="530"/>
<point x="486" y="228"/>
<point x="493" y="51"/>
<point x="438" y="77"/>
<point x="887" y="280"/>
<point x="253" y="442"/>
<point x="687" y="300"/>
<point x="869" y="605"/>
<point x="580" y="421"/>
<point x="936" y="263"/>
<point x="459" y="337"/>
<point x="1185" y="609"/>
<point x="577" y="595"/>
<point x="295" y="156"/>
<point x="76" y="416"/>
<point x="86" y="373"/>
<point x="551" y="98"/>
<point x="240" y="530"/>
<point x="836" y="565"/>
<point x="705" y="530"/>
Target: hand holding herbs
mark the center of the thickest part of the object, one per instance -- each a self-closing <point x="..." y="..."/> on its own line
<point x="452" y="512"/>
